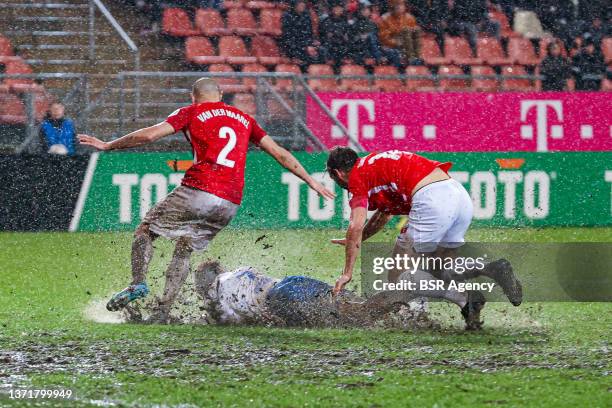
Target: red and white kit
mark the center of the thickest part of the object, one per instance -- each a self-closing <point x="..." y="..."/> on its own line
<point x="438" y="214"/>
<point x="211" y="190"/>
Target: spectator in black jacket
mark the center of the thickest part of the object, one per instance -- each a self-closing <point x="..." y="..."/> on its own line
<point x="555" y="69"/>
<point x="588" y="67"/>
<point x="297" y="33"/>
<point x="334" y="31"/>
<point x="432" y="16"/>
<point x="470" y="17"/>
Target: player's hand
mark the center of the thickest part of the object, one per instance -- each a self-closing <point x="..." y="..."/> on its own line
<point x="93" y="142"/>
<point x="319" y="188"/>
<point x="339" y="241"/>
<point x="341" y="283"/>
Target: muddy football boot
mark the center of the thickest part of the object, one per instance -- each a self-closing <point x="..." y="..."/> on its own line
<point x="471" y="311"/>
<point x="126" y="296"/>
<point x="502" y="273"/>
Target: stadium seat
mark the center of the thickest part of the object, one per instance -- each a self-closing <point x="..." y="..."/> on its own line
<point x="354" y="84"/>
<point x="270" y="22"/>
<point x="515" y="84"/>
<point x="458" y="51"/>
<point x="606" y="49"/>
<point x="520" y="51"/>
<point x="322" y="84"/>
<point x="447" y="83"/>
<point x="6" y="49"/>
<point x="277" y="111"/>
<point x="15" y="66"/>
<point x="241" y="22"/>
<point x="12" y="110"/>
<point x="606" y="85"/>
<point x="419" y="84"/>
<point x="484" y="84"/>
<point x="544" y="42"/>
<point x="266" y="51"/>
<point x="505" y="29"/>
<point x="387" y="84"/>
<point x="251" y="83"/>
<point x="430" y="52"/>
<point x="285" y="83"/>
<point x="176" y="22"/>
<point x="199" y="50"/>
<point x="234" y="51"/>
<point x="210" y="23"/>
<point x="490" y="52"/>
<point x="234" y="4"/>
<point x="260" y="5"/>
<point x="227" y="84"/>
<point x="246" y="103"/>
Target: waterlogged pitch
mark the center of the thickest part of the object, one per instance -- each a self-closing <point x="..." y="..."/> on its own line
<point x="55" y="335"/>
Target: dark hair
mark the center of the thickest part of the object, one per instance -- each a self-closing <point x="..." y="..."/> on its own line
<point x="341" y="158"/>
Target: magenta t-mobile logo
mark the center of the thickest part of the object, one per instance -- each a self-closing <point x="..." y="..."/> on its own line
<point x="541" y="106"/>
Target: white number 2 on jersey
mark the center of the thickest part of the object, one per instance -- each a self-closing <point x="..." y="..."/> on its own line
<point x="224" y="133"/>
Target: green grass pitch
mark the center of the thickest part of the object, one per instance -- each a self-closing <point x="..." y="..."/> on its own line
<point x="539" y="354"/>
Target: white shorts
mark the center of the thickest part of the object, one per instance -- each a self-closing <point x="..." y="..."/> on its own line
<point x="191" y="214"/>
<point x="441" y="214"/>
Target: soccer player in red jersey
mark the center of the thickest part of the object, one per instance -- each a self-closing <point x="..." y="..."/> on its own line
<point x="439" y="211"/>
<point x="211" y="190"/>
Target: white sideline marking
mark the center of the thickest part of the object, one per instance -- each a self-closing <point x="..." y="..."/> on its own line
<point x="78" y="209"/>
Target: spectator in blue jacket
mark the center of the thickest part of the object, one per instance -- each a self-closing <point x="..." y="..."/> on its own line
<point x="57" y="132"/>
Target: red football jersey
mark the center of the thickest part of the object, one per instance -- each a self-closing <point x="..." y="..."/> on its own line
<point x="219" y="135"/>
<point x="384" y="181"/>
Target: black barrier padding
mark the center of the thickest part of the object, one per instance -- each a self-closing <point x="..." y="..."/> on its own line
<point x="39" y="192"/>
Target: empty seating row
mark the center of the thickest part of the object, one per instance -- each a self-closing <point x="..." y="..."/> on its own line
<point x="232" y="50"/>
<point x="209" y="22"/>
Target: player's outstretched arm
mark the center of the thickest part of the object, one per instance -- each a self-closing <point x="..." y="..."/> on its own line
<point x="374" y="224"/>
<point x="288" y="161"/>
<point x="353" y="246"/>
<point x="134" y="139"/>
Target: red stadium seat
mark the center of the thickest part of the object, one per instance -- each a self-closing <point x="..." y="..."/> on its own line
<point x="544" y="42"/>
<point x="251" y="83"/>
<point x="176" y="22"/>
<point x="246" y="103"/>
<point x="419" y="84"/>
<point x="515" y="84"/>
<point x="484" y="84"/>
<point x="457" y="50"/>
<point x="387" y="84"/>
<point x="234" y="51"/>
<point x="266" y="51"/>
<point x="606" y="85"/>
<point x="270" y="22"/>
<point x="16" y="66"/>
<point x="287" y="84"/>
<point x="12" y="110"/>
<point x="505" y="29"/>
<point x="210" y="23"/>
<point x="241" y="22"/>
<point x="430" y="52"/>
<point x="199" y="50"/>
<point x="234" y="4"/>
<point x="491" y="52"/>
<point x="354" y="84"/>
<point x="229" y="84"/>
<point x="520" y="51"/>
<point x="6" y="49"/>
<point x="449" y="83"/>
<point x="322" y="84"/>
<point x="606" y="49"/>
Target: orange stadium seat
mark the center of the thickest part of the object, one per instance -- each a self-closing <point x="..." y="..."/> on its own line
<point x="210" y="23"/>
<point x="12" y="110"/>
<point x="266" y="50"/>
<point x="606" y="49"/>
<point x="484" y="84"/>
<point x="286" y="83"/>
<point x="241" y="22"/>
<point x="246" y="103"/>
<point x="457" y="50"/>
<point x="544" y="42"/>
<point x="387" y="84"/>
<point x="354" y="84"/>
<point x="419" y="84"/>
<point x="515" y="84"/>
<point x="251" y="83"/>
<point x="491" y="52"/>
<point x="227" y="84"/>
<point x="176" y="22"/>
<point x="6" y="48"/>
<point x="234" y="51"/>
<point x="447" y="83"/>
<point x="520" y="51"/>
<point x="430" y="52"/>
<point x="270" y="22"/>
<point x="322" y="84"/>
<point x="199" y="50"/>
